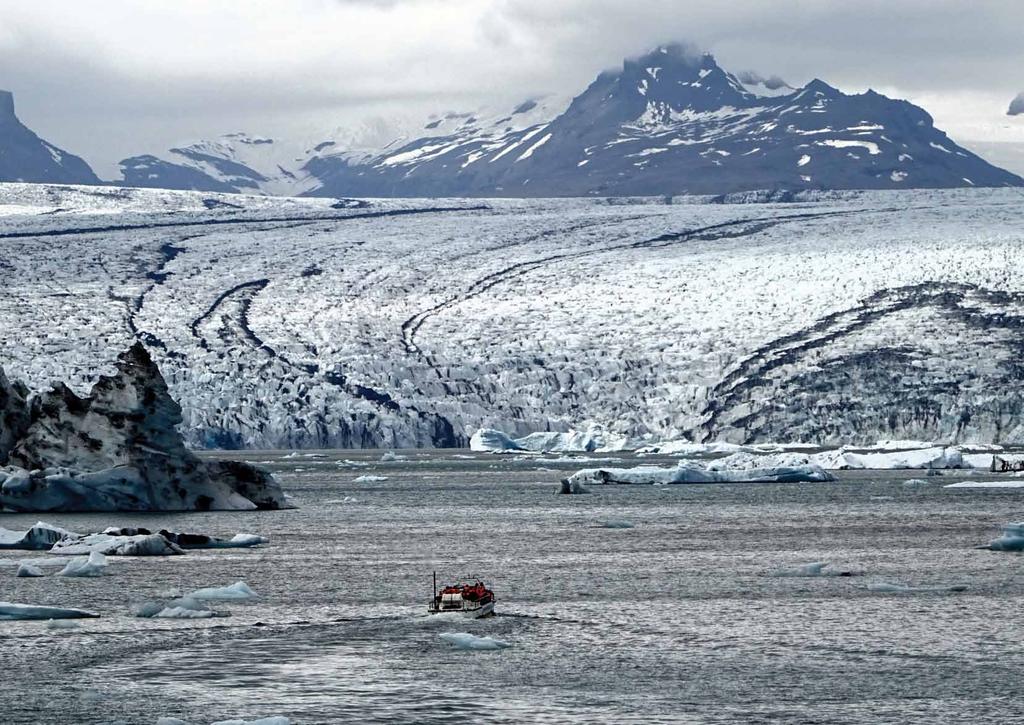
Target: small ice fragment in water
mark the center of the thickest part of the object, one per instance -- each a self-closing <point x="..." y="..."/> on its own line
<point x="614" y="524"/>
<point x="238" y="590"/>
<point x="62" y="624"/>
<point x="389" y="456"/>
<point x="93" y="565"/>
<point x="279" y="720"/>
<point x="816" y="568"/>
<point x="27" y="570"/>
<point x="891" y="588"/>
<point x="467" y="641"/>
<point x="369" y="479"/>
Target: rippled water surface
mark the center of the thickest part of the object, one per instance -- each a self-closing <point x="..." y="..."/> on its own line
<point x="672" y="620"/>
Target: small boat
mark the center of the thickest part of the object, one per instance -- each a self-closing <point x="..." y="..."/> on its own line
<point x="470" y="598"/>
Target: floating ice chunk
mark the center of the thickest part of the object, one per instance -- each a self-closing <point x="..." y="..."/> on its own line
<point x="814" y="569"/>
<point x="40" y="537"/>
<point x="488" y="440"/>
<point x="92" y="565"/>
<point x="688" y="472"/>
<point x="1014" y="483"/>
<point x="10" y="611"/>
<point x="573" y="487"/>
<point x="912" y="482"/>
<point x="934" y="458"/>
<point x="389" y="456"/>
<point x="136" y="545"/>
<point x="237" y="591"/>
<point x="615" y="523"/>
<point x="467" y="641"/>
<point x="183" y="608"/>
<point x="242" y="541"/>
<point x="62" y="624"/>
<point x="1011" y="540"/>
<point x="369" y="479"/>
<point x="29" y="570"/>
<point x="170" y="721"/>
<point x="276" y="720"/>
<point x="891" y="588"/>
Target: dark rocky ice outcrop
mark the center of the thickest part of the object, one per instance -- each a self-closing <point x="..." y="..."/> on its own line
<point x="119" y="450"/>
<point x="1016" y="105"/>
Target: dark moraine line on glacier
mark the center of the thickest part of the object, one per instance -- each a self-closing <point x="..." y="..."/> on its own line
<point x="748" y="227"/>
<point x="754" y="370"/>
<point x="443" y="432"/>
<point x="222" y="222"/>
<point x="257" y="286"/>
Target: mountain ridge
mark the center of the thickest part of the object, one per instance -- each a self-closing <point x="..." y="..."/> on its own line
<point x="24" y="156"/>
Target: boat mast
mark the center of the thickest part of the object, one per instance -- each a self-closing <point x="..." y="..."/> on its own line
<point x="435" y="586"/>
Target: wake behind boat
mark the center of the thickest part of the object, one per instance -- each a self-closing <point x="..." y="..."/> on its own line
<point x="471" y="599"/>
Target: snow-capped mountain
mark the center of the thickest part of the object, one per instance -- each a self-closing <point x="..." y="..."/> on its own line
<point x="235" y="162"/>
<point x="672" y="122"/>
<point x="26" y="157"/>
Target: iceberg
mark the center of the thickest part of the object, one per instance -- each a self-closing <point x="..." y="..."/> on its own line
<point x="488" y="440"/>
<point x="186" y="607"/>
<point x="92" y="565"/>
<point x="572" y="487"/>
<point x="689" y="472"/>
<point x="112" y="545"/>
<point x="40" y="537"/>
<point x="934" y="458"/>
<point x="1012" y="539"/>
<point x="814" y="569"/>
<point x="276" y="720"/>
<point x="29" y="570"/>
<point x="1013" y="483"/>
<point x="10" y="611"/>
<point x="238" y="591"/>
<point x="467" y="641"/>
<point x="369" y="479"/>
<point x="119" y="450"/>
<point x="891" y="588"/>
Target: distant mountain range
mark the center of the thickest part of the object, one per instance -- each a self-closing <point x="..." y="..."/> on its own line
<point x="667" y="123"/>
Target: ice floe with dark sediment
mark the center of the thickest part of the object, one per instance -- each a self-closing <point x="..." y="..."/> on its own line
<point x="12" y="611"/>
<point x="690" y="472"/>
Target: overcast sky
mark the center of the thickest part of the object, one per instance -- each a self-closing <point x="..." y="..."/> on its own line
<point x="111" y="78"/>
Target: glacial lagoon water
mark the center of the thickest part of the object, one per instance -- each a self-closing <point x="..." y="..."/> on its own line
<point x="675" y="619"/>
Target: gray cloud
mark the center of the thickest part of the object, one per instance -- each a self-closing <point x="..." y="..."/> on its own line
<point x="109" y="78"/>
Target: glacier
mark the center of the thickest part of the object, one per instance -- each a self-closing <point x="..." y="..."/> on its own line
<point x="286" y="323"/>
